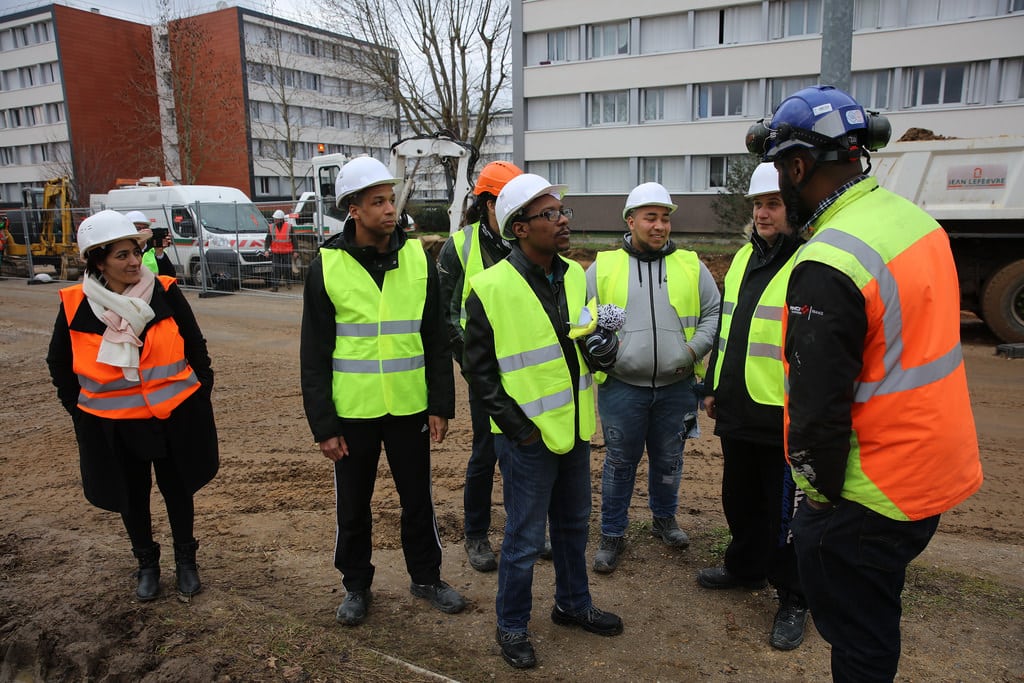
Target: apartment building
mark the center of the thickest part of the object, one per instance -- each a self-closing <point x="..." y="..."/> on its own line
<point x="273" y="93"/>
<point x="608" y="95"/>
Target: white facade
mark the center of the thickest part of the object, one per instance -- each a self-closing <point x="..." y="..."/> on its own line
<point x="331" y="109"/>
<point x="33" y="116"/>
<point x="609" y="94"/>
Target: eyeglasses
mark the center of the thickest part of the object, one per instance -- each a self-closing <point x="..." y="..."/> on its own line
<point x="552" y="215"/>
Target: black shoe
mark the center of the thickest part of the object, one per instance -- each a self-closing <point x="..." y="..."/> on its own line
<point x="516" y="649"/>
<point x="720" y="577"/>
<point x="667" y="529"/>
<point x="352" y="610"/>
<point x="788" y="628"/>
<point x="149" y="572"/>
<point x="481" y="556"/>
<point x="591" y="619"/>
<point x="185" y="568"/>
<point x="545" y="552"/>
<point x="441" y="595"/>
<point x="609" y="554"/>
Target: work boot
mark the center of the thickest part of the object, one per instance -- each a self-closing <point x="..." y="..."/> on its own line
<point x="352" y="610"/>
<point x="481" y="556"/>
<point x="788" y="627"/>
<point x="591" y="619"/>
<point x="609" y="554"/>
<point x="441" y="595"/>
<point x="720" y="577"/>
<point x="149" y="572"/>
<point x="185" y="568"/>
<point x="667" y="529"/>
<point x="516" y="649"/>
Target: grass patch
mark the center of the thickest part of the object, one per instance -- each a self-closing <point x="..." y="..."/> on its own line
<point x="930" y="587"/>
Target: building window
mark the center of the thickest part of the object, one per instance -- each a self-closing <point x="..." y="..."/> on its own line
<point x="55" y="112"/>
<point x="781" y="88"/>
<point x="609" y="107"/>
<point x="1017" y="6"/>
<point x="871" y="89"/>
<point x="311" y="81"/>
<point x="257" y="72"/>
<point x="876" y="14"/>
<point x="556" y="46"/>
<point x="28" y="77"/>
<point x="608" y="175"/>
<point x="720" y="99"/>
<point x="664" y="34"/>
<point x="1011" y="79"/>
<point x="607" y="40"/>
<point x="653" y="104"/>
<point x="263" y="185"/>
<point x="14" y="117"/>
<point x="254" y="110"/>
<point x="8" y="156"/>
<point x="728" y="26"/>
<point x="48" y="73"/>
<point x="946" y="84"/>
<point x="669" y="171"/>
<point x="931" y="11"/>
<point x="650" y="170"/>
<point x="803" y="17"/>
<point x="307" y="45"/>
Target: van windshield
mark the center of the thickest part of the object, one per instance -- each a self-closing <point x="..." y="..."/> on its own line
<point x="232" y="218"/>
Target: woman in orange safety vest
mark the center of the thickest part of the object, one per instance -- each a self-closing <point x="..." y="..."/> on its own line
<point x="131" y="368"/>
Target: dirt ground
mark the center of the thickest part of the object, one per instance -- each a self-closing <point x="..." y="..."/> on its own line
<point x="266" y="528"/>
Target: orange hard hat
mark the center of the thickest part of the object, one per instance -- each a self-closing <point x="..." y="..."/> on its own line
<point x="494" y="176"/>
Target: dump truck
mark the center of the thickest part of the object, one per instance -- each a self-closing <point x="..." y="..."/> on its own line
<point x="974" y="187"/>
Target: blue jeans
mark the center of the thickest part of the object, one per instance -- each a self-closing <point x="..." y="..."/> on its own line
<point x="476" y="496"/>
<point x="539" y="485"/>
<point x="852" y="563"/>
<point x="632" y="417"/>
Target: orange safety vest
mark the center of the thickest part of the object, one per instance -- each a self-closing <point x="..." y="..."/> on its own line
<point x="281" y="242"/>
<point x="166" y="378"/>
<point x="913" y="446"/>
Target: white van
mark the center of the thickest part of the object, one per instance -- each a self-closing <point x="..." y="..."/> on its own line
<point x="231" y="230"/>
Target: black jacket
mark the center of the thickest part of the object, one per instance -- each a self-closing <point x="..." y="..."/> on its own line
<point x="318" y="336"/>
<point x="480" y="364"/>
<point x="739" y="416"/>
<point x="188" y="436"/>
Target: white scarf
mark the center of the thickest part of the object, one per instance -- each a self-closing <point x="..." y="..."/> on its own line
<point x="125" y="316"/>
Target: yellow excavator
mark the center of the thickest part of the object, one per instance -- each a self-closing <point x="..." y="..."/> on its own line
<point x="46" y="233"/>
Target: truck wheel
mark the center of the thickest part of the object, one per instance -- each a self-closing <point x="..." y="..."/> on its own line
<point x="1002" y="303"/>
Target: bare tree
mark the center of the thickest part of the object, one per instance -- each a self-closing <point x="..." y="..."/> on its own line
<point x="189" y="81"/>
<point x="731" y="206"/>
<point x="445" y="63"/>
<point x="92" y="171"/>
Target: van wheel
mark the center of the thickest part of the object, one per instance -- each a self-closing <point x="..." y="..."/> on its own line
<point x="1002" y="303"/>
<point x="195" y="273"/>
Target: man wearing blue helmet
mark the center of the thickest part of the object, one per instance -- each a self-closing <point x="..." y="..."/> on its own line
<point x="879" y="429"/>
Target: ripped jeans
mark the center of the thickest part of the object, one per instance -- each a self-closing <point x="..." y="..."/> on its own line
<point x="661" y="418"/>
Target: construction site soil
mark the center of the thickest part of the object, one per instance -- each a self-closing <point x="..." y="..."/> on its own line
<point x="266" y="529"/>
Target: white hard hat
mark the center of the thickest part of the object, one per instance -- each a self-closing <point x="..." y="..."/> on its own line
<point x="137" y="217"/>
<point x="106" y="227"/>
<point x="764" y="180"/>
<point x="519" y="192"/>
<point x="359" y="174"/>
<point x="279" y="215"/>
<point x="648" y="194"/>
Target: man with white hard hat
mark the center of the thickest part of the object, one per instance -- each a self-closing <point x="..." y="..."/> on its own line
<point x="744" y="395"/>
<point x="649" y="397"/>
<point x="280" y="245"/>
<point x="153" y="256"/>
<point x="376" y="370"/>
<point x="524" y="365"/>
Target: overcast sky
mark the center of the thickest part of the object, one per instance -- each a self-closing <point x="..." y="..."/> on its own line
<point x="148" y="11"/>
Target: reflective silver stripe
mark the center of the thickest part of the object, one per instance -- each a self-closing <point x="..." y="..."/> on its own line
<point x="544" y="404"/>
<point x="765" y="312"/>
<point x="373" y="330"/>
<point x="586" y="381"/>
<point x="721" y="345"/>
<point x="467" y="246"/>
<point x="727" y="307"/>
<point x="688" y="321"/>
<point x="94" y="387"/>
<point x="761" y="350"/>
<point x="896" y="378"/>
<point x="518" y="361"/>
<point x="164" y="371"/>
<point x="355" y="329"/>
<point x="171" y="390"/>
<point x="373" y="367"/>
<point x="112" y="402"/>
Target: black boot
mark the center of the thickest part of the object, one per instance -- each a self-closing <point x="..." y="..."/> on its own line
<point x="149" y="572"/>
<point x="185" y="568"/>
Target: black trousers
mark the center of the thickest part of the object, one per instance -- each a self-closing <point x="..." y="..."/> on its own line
<point x="853" y="563"/>
<point x="758" y="498"/>
<point x="282" y="268"/>
<point x="136" y="513"/>
<point x="406" y="442"/>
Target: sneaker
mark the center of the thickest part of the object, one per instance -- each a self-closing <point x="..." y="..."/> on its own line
<point x="591" y="619"/>
<point x="516" y="649"/>
<point x="481" y="556"/>
<point x="441" y="595"/>
<point x="720" y="577"/>
<point x="788" y="627"/>
<point x="667" y="529"/>
<point x="352" y="611"/>
<point x="609" y="554"/>
<point x="545" y="552"/>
